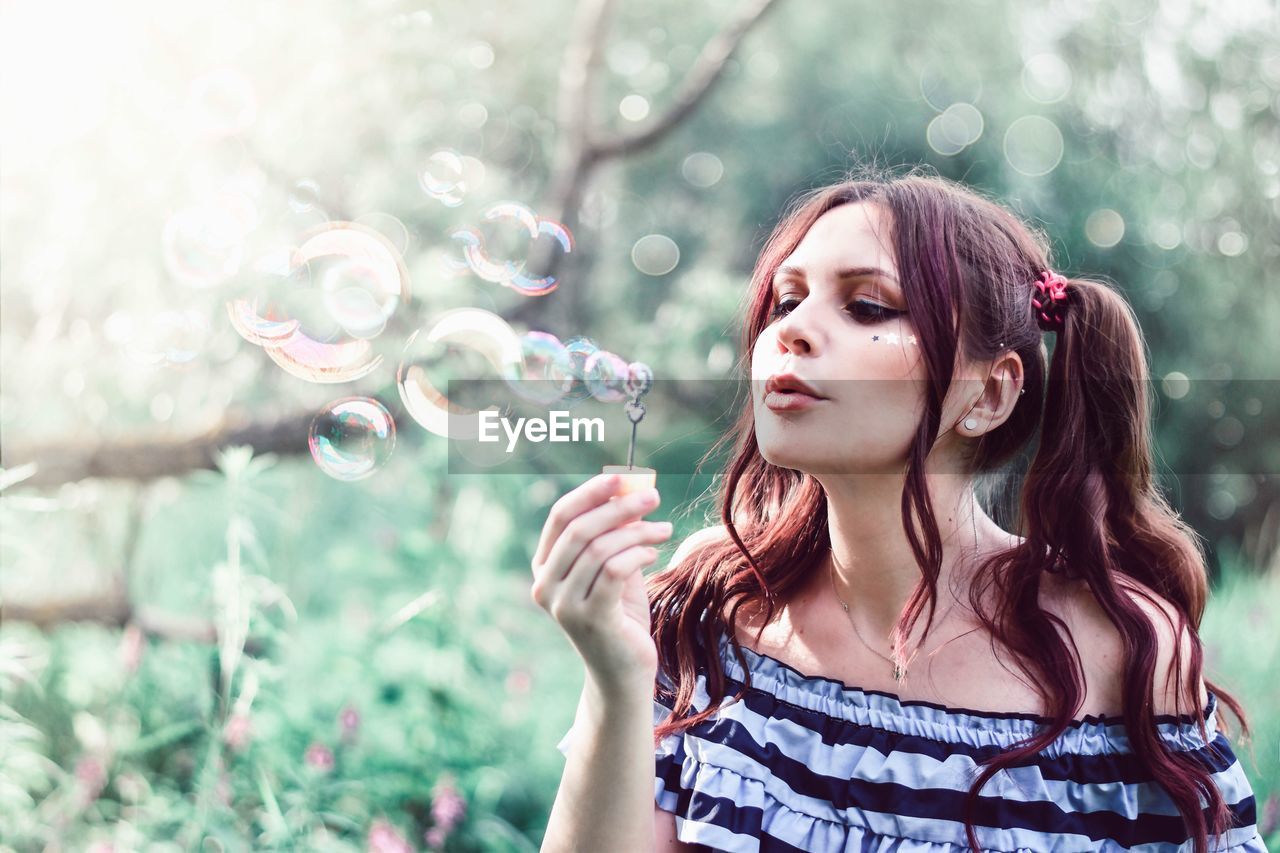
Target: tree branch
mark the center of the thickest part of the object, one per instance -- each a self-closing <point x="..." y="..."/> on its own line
<point x="113" y="611"/>
<point x="154" y="455"/>
<point x="695" y="86"/>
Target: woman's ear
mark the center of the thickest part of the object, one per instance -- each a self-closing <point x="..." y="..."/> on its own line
<point x="1000" y="393"/>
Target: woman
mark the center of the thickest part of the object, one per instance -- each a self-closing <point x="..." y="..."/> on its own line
<point x="853" y="551"/>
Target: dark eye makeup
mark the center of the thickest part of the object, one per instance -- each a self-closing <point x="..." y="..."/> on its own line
<point x="861" y="310"/>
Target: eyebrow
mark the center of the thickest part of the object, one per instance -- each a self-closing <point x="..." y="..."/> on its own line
<point x="847" y="273"/>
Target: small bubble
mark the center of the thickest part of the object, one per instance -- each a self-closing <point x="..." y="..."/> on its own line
<point x="352" y="438"/>
<point x="606" y="375"/>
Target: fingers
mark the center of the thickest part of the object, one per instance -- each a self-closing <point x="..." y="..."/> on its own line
<point x="589" y="495"/>
<point x="581" y="533"/>
<point x="589" y="540"/>
<point x="606" y="584"/>
<point x="613" y="545"/>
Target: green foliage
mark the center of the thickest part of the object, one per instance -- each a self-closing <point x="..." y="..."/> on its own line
<point x="291" y="600"/>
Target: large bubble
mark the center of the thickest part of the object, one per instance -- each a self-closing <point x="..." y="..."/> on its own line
<point x="500" y="247"/>
<point x="465" y="343"/>
<point x="314" y="309"/>
<point x="352" y="438"/>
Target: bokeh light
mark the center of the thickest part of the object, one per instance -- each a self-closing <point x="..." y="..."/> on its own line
<point x="1033" y="145"/>
<point x="655" y="254"/>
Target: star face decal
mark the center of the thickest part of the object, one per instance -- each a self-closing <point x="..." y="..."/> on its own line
<point x="892" y="337"/>
<point x="911" y="339"/>
<point x="875" y="338"/>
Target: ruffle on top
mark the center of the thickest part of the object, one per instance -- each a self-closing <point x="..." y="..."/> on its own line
<point x="805" y="763"/>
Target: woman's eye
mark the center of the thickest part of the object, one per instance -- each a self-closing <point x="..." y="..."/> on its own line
<point x="782" y="308"/>
<point x="865" y="312"/>
<point x="872" y="312"/>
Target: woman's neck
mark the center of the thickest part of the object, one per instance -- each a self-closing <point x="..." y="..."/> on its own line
<point x="874" y="566"/>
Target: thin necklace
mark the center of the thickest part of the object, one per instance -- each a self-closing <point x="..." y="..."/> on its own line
<point x="899" y="670"/>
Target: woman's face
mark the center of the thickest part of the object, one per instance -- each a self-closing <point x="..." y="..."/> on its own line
<point x="839" y="326"/>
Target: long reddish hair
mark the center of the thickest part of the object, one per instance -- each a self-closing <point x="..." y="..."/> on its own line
<point x="1088" y="506"/>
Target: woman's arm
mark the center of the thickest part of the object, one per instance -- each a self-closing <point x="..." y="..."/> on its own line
<point x="605" y="801"/>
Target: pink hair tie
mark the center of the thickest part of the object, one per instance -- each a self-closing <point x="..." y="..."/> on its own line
<point x="1049" y="298"/>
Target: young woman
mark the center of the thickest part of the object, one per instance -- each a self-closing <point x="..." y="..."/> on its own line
<point x="895" y="329"/>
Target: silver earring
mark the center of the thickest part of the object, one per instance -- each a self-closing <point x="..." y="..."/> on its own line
<point x="970" y="423"/>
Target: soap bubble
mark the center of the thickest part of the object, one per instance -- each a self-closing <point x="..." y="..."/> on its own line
<point x="443" y="177"/>
<point x="639" y="378"/>
<point x="606" y="376"/>
<point x="546" y="372"/>
<point x="578" y="349"/>
<point x="465" y="343"/>
<point x="477" y="260"/>
<point x="541" y="285"/>
<point x="304" y="196"/>
<point x="498" y="250"/>
<point x="352" y="438"/>
<point x="315" y="361"/>
<point x="314" y="309"/>
<point x="360" y="272"/>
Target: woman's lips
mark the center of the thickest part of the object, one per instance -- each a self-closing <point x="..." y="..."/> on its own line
<point x="790" y="401"/>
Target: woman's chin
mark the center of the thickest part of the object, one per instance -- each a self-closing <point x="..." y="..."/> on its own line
<point x="784" y="455"/>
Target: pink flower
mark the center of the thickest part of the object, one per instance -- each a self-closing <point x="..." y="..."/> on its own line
<point x="92" y="777"/>
<point x="132" y="644"/>
<point x="1270" y="815"/>
<point x="348" y="723"/>
<point x="319" y="757"/>
<point x="237" y="732"/>
<point x="519" y="681"/>
<point x="223" y="788"/>
<point x="383" y="838"/>
<point x="435" y="837"/>
<point x="100" y="847"/>
<point x="447" y="805"/>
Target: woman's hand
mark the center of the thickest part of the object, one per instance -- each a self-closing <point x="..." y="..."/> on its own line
<point x="587" y="575"/>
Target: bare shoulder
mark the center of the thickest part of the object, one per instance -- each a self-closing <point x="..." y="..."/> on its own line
<point x="697" y="539"/>
<point x="1102" y="650"/>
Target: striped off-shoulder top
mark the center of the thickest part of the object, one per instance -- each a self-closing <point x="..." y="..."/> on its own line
<point x="805" y="763"/>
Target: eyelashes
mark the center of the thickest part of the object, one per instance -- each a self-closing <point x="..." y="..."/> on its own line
<point x="862" y="311"/>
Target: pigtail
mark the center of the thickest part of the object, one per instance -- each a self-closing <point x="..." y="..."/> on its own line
<point x="1090" y="504"/>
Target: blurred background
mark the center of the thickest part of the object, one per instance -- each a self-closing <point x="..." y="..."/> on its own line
<point x="249" y="601"/>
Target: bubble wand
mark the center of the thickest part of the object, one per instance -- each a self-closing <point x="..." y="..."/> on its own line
<point x="639" y="381"/>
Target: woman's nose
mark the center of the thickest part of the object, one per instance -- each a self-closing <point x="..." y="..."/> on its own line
<point x="796" y="335"/>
